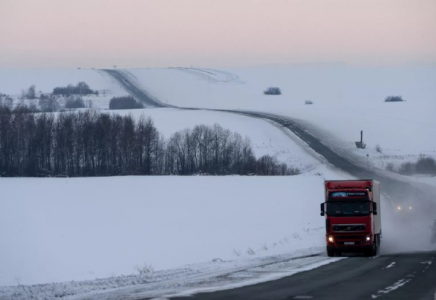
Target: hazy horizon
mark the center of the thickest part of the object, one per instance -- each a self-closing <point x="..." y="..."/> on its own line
<point x="209" y="33"/>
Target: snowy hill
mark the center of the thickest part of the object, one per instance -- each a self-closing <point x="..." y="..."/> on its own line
<point x="346" y="101"/>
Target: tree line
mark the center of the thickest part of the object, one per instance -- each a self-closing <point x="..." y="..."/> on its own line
<point x="80" y="89"/>
<point x="124" y="102"/>
<point x="97" y="144"/>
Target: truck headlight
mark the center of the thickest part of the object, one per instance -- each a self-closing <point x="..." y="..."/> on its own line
<point x="368" y="238"/>
<point x="399" y="207"/>
<point x="331" y="239"/>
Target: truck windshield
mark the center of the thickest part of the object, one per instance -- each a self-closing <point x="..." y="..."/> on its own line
<point x="348" y="208"/>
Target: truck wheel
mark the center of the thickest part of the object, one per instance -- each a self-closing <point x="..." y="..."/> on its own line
<point x="377" y="246"/>
<point x="330" y="253"/>
<point x="374" y="250"/>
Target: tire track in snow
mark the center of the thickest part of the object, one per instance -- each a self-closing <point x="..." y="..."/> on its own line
<point x="213" y="76"/>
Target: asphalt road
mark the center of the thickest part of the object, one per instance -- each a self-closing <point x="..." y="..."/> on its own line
<point x="401" y="276"/>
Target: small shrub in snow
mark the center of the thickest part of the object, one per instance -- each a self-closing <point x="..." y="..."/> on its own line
<point x="236" y="252"/>
<point x="378" y="149"/>
<point x="394" y="99"/>
<point x="144" y="269"/>
<point x="250" y="251"/>
<point x="308" y="102"/>
<point x="273" y="91"/>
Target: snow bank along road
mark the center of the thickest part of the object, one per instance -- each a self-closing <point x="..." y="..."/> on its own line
<point x="354" y="278"/>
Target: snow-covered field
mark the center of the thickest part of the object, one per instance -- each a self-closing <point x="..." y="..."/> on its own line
<point x="83" y="228"/>
<point x="181" y="229"/>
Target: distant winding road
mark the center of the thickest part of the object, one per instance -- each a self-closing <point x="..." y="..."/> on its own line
<point x="405" y="276"/>
<point x="132" y="88"/>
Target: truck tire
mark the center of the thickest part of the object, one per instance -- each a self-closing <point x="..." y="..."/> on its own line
<point x="330" y="253"/>
<point x="373" y="251"/>
<point x="377" y="250"/>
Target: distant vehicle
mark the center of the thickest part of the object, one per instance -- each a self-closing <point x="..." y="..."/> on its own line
<point x="404" y="208"/>
<point x="353" y="221"/>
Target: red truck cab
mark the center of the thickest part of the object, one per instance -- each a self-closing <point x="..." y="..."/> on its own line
<point x="352" y="215"/>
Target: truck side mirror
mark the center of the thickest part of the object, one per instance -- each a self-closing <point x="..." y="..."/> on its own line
<point x="322" y="209"/>
<point x="374" y="208"/>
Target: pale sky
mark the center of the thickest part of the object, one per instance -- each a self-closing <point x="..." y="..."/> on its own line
<point x="214" y="33"/>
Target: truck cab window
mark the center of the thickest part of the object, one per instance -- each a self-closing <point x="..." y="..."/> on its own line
<point x="348" y="208"/>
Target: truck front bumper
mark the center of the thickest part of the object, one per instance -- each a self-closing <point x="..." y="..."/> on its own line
<point x="358" y="248"/>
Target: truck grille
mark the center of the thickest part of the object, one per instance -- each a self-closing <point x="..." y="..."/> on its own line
<point x="357" y="239"/>
<point x="349" y="227"/>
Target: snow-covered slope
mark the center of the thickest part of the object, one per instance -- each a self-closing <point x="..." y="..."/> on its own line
<point x="345" y="101"/>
